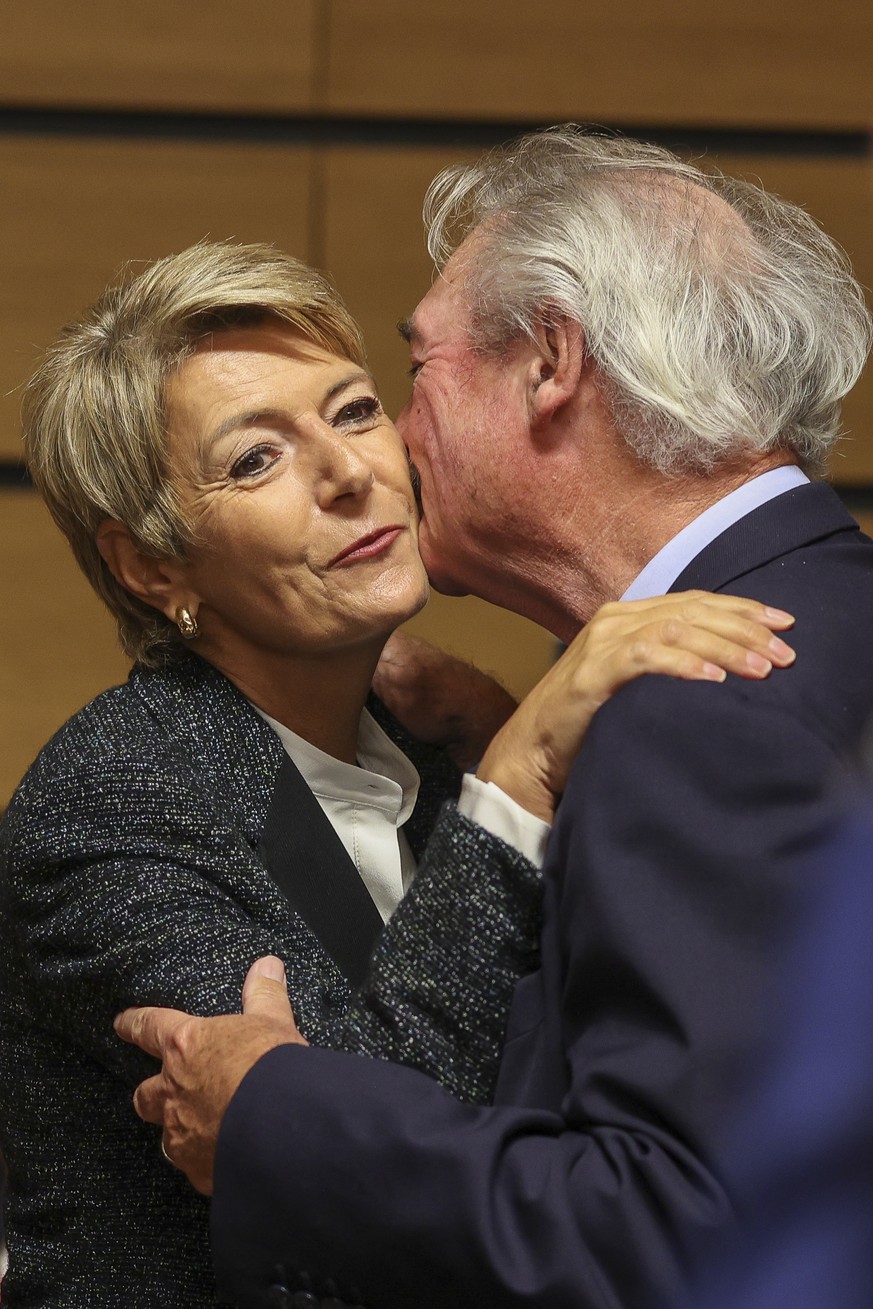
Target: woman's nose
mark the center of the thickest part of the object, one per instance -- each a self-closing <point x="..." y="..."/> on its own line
<point x="342" y="470"/>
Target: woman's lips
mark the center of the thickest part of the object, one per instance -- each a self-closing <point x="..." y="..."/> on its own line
<point x="367" y="547"/>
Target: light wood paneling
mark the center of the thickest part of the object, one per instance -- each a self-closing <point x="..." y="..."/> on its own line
<point x="637" y="61"/>
<point x="85" y="207"/>
<point x="59" y="646"/>
<point x="513" y="650"/>
<point x="159" y="54"/>
<point x="373" y="243"/>
<point x="866" y="521"/>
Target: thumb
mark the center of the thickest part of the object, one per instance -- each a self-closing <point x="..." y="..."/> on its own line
<point x="264" y="990"/>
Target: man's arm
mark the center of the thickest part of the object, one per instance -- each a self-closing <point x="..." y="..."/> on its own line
<point x="672" y="877"/>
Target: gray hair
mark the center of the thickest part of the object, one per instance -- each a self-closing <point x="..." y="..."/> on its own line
<point x="95" y="420"/>
<point x="718" y="331"/>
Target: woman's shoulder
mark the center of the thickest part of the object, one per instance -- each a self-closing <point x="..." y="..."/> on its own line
<point x="112" y="727"/>
<point x="181" y="727"/>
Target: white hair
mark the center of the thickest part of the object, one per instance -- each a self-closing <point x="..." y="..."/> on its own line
<point x="723" y="320"/>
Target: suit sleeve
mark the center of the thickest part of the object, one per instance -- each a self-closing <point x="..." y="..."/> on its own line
<point x="670" y="882"/>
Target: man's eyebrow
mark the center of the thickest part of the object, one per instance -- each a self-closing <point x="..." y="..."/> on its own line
<point x="252" y="417"/>
<point x="408" y="331"/>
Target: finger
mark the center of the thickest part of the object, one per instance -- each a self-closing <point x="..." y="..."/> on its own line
<point x="150" y="1097"/>
<point x="264" y="994"/>
<point x="150" y="1028"/>
<point x="269" y="965"/>
<point x="696" y="654"/>
<point x="729" y="632"/>
<point x="684" y="603"/>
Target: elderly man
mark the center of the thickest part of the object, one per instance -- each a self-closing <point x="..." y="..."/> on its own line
<point x="624" y="377"/>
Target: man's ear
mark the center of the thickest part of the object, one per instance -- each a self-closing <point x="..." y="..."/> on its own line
<point x="157" y="582"/>
<point x="559" y="367"/>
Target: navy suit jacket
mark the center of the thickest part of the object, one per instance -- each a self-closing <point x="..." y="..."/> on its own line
<point x="161" y="842"/>
<point x="803" y="1146"/>
<point x="670" y="880"/>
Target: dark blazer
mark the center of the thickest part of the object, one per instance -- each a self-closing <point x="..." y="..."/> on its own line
<point x="160" y="843"/>
<point x="670" y="879"/>
<point x="803" y="1145"/>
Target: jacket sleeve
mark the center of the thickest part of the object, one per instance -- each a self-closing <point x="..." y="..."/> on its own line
<point x="670" y="883"/>
<point x="443" y="974"/>
<point x="148" y="894"/>
<point x="441" y="982"/>
<point x="124" y="885"/>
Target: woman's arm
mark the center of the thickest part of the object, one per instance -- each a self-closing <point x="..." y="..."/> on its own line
<point x="439" y="990"/>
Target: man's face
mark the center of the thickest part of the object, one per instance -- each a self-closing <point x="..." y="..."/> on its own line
<point x="462" y="426"/>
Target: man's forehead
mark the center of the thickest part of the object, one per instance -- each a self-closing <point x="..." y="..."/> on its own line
<point x="436" y="310"/>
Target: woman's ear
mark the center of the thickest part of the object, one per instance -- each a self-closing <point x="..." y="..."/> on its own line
<point x="157" y="582"/>
<point x="559" y="368"/>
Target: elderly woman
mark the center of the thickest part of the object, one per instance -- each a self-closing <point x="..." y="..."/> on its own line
<point x="210" y="440"/>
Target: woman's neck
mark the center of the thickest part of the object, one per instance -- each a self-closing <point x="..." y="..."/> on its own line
<point x="319" y="697"/>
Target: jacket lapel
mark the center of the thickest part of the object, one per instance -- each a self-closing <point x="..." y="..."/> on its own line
<point x="309" y="863"/>
<point x="789" y="521"/>
<point x="240" y="755"/>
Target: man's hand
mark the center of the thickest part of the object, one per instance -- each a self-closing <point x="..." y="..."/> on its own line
<point x="440" y="699"/>
<point x="204" y="1061"/>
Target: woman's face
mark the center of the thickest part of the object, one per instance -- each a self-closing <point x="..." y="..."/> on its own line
<point x="297" y="487"/>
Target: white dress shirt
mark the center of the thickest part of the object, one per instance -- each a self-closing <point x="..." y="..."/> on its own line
<point x="368" y="803"/>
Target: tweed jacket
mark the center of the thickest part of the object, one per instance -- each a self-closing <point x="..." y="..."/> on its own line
<point x="137" y="867"/>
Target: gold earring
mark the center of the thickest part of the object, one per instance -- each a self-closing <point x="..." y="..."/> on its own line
<point x="186" y="623"/>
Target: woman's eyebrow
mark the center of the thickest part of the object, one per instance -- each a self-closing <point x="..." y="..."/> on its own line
<point x="253" y="417"/>
<point x="353" y="379"/>
<point x="250" y="418"/>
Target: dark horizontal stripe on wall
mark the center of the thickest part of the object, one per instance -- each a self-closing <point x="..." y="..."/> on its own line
<point x="857" y="498"/>
<point x="305" y="129"/>
<point x="14" y="475"/>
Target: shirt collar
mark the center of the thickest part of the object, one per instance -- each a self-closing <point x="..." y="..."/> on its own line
<point x="672" y="559"/>
<point x="383" y="778"/>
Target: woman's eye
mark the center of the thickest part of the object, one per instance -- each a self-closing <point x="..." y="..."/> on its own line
<point x="358" y="413"/>
<point x="254" y="461"/>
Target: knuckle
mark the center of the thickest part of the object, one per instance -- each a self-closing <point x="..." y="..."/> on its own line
<point x="671" y="631"/>
<point x="640" y="650"/>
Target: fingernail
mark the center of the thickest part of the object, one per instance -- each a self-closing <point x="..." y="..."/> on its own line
<point x="270" y="967"/>
<point x="781" y="651"/>
<point x="712" y="673"/>
<point x="779" y="615"/>
<point x="758" y="663"/>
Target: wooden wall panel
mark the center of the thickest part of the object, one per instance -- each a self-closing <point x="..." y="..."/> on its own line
<point x="635" y="61"/>
<point x="159" y="54"/>
<point x="84" y="207"/>
<point x="59" y="646"/>
<point x="866" y="521"/>
<point x="372" y="240"/>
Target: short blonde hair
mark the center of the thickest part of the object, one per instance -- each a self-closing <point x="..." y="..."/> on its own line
<point x="95" y="412"/>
